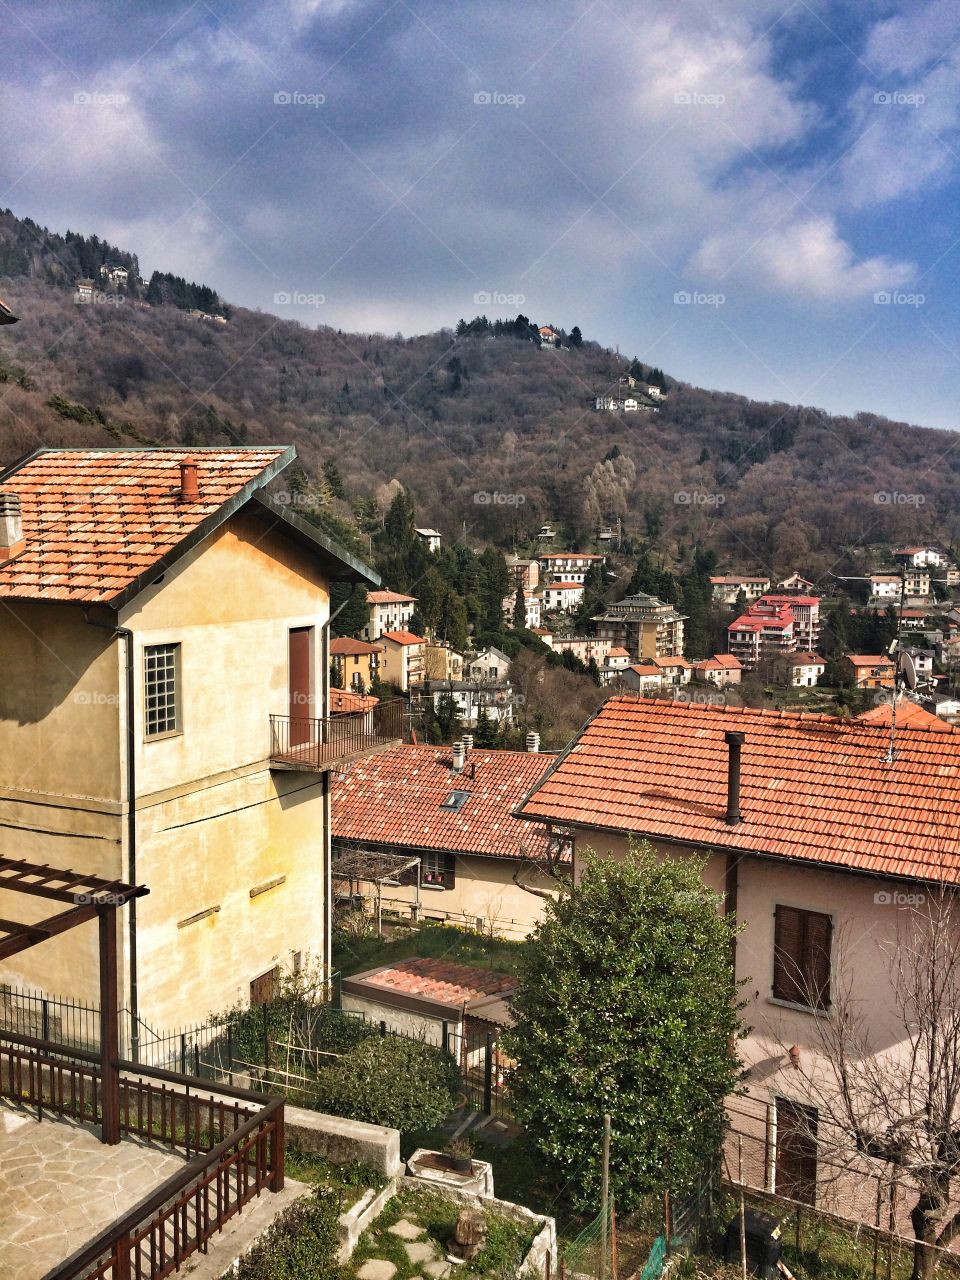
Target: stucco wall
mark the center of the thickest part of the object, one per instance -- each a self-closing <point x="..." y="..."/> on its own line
<point x="484" y="889"/>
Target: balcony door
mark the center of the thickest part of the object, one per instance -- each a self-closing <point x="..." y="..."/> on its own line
<point x="301" y="685"/>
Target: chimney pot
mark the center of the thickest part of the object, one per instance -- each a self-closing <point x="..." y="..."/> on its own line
<point x="189" y="483"/>
<point x="533" y="741"/>
<point x="734" y="741"/>
<point x="11" y="526"/>
<point x="467" y="741"/>
<point x="458" y="757"/>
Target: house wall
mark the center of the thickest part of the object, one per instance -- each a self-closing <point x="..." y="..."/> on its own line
<point x="405" y="1021"/>
<point x="60" y="800"/>
<point x="484" y="888"/>
<point x="213" y="821"/>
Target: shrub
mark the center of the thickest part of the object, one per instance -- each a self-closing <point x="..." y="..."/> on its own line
<point x="300" y="1245"/>
<point x="403" y="1084"/>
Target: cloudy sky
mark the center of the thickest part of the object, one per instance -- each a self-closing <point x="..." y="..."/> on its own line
<point x="756" y="196"/>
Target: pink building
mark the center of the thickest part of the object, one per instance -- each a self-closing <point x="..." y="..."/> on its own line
<point x="765" y="631"/>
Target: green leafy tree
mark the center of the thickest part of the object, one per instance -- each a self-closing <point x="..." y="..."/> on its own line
<point x="627" y="1004"/>
<point x="519" y="609"/>
<point x="336" y="676"/>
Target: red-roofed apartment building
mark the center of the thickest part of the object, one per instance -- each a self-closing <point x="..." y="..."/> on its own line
<point x="763" y="632"/>
<point x="389" y="611"/>
<point x="413" y="802"/>
<point x="162" y="625"/>
<point x="356" y="662"/>
<point x="811" y="833"/>
<point x="404" y="659"/>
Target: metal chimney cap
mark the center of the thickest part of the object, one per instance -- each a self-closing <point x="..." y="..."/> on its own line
<point x="734" y="737"/>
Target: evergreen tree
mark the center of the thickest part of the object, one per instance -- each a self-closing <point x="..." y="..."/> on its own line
<point x="355" y="615"/>
<point x="331" y="473"/>
<point x="519" y="609"/>
<point x="336" y="678"/>
<point x="576" y="337"/>
<point x="594" y="672"/>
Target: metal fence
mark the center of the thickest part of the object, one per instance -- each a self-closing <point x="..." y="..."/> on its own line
<point x="280" y="1045"/>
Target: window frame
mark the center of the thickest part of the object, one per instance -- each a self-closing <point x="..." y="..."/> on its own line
<point x="797" y="993"/>
<point x="436" y="863"/>
<point x="177" y="730"/>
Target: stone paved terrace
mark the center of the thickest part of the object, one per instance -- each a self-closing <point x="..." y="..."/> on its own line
<point x="59" y="1186"/>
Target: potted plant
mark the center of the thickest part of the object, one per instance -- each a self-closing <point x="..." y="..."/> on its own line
<point x="460" y="1154"/>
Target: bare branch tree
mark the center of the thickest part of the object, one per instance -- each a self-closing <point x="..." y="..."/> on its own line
<point x="900" y="1103"/>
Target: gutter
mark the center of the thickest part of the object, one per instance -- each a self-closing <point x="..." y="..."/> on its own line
<point x="327" y="830"/>
<point x="125" y="634"/>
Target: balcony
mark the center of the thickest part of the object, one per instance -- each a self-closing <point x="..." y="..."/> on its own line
<point x="316" y="746"/>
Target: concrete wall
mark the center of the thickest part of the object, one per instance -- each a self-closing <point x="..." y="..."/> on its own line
<point x="342" y="1141"/>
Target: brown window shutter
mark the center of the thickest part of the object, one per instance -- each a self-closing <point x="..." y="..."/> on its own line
<point x="788" y="954"/>
<point x="450" y="871"/>
<point x="819" y="929"/>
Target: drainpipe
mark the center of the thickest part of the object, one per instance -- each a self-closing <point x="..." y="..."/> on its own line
<point x="123" y="633"/>
<point x="325" y="776"/>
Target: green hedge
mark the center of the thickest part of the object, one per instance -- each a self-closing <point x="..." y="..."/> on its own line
<point x="389" y="1080"/>
<point x="300" y="1245"/>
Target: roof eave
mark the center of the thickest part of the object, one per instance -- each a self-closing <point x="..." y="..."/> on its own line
<point x="357" y="570"/>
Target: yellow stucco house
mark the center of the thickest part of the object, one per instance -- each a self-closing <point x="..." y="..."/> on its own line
<point x="163" y="706"/>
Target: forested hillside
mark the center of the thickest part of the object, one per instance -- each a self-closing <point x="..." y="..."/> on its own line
<point x="492" y="433"/>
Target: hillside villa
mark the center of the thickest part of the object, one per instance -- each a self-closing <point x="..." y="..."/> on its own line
<point x="389" y="611"/>
<point x="133" y="581"/>
<point x="811" y="833"/>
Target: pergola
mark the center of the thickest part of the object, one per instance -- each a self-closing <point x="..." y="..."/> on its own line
<point x="86" y="898"/>
<point x="376" y="868"/>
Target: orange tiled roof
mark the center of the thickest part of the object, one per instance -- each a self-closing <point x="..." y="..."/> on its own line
<point x="814" y="788"/>
<point x="96" y="520"/>
<point x="869" y="659"/>
<point x="440" y="980"/>
<point x="564" y="586"/>
<point x="403" y="637"/>
<point x="347" y="647"/>
<point x="394" y="798"/>
<point x="343" y="701"/>
<point x="389" y="597"/>
<point x="720" y="662"/>
<point x="645" y="669"/>
<point x="908" y="713"/>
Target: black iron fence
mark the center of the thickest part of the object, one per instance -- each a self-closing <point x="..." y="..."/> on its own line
<point x="280" y="1045"/>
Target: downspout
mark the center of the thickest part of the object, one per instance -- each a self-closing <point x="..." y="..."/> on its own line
<point x="126" y="635"/>
<point x="327" y="849"/>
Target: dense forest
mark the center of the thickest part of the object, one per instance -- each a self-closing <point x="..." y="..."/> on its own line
<point x="492" y="433"/>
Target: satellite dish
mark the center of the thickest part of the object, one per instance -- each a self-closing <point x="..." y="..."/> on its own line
<point x="908" y="669"/>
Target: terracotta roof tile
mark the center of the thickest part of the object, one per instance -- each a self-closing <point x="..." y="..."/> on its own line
<point x="389" y="597"/>
<point x="402" y="637"/>
<point x="94" y="520"/>
<point x="394" y="798"/>
<point x="342" y="701"/>
<point x="814" y="788"/>
<point x="440" y="980"/>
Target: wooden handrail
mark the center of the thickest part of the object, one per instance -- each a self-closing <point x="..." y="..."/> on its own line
<point x="166" y="1192"/>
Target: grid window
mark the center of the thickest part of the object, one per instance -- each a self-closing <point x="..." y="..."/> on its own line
<point x="801" y="957"/>
<point x="161" y="670"/>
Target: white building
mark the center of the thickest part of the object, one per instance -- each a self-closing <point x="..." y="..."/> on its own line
<point x="727" y="587"/>
<point x="491" y="664"/>
<point x="921" y="557"/>
<point x="389" y="611"/>
<point x="430" y="537"/>
<point x="568" y="566"/>
<point x="676" y="671"/>
<point x="532" y="608"/>
<point x="801" y="670"/>
<point x="562" y="597"/>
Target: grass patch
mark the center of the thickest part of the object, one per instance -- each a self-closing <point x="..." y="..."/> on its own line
<point x="507" y="1242"/>
<point x="348" y="1180"/>
<point x="461" y="946"/>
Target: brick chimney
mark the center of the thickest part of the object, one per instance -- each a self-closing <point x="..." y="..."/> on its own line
<point x="11" y="526"/>
<point x="189" y="482"/>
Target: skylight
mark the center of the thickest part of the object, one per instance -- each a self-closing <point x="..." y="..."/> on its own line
<point x="455" y="801"/>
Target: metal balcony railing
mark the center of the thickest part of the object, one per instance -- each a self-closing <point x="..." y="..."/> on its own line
<point x="316" y="745"/>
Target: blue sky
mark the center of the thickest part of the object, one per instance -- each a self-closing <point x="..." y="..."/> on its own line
<point x="725" y="190"/>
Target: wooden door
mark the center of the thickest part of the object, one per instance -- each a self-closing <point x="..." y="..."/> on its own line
<point x="796" y="1153"/>
<point x="301" y="688"/>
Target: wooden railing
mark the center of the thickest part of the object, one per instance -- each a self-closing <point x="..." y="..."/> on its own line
<point x="236" y="1139"/>
<point x="300" y="742"/>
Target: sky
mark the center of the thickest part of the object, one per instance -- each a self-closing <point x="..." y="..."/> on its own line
<point x="757" y="197"/>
